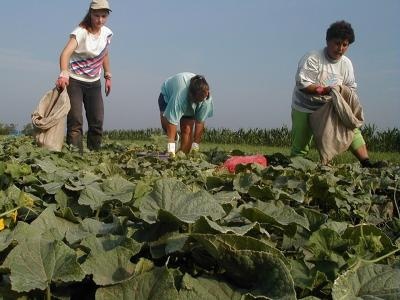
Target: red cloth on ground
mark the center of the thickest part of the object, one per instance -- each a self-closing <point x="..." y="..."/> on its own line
<point x="233" y="161"/>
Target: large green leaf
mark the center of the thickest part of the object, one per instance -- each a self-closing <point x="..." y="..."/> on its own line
<point x="225" y="197"/>
<point x="302" y="164"/>
<point x="368" y="241"/>
<point x="79" y="182"/>
<point x="91" y="226"/>
<point x="22" y="232"/>
<point x="53" y="187"/>
<point x="6" y="238"/>
<point x="368" y="282"/>
<point x="52" y="170"/>
<point x="168" y="244"/>
<point x="113" y="188"/>
<point x="218" y="243"/>
<point x="109" y="258"/>
<point x="304" y="277"/>
<point x="93" y="196"/>
<point x="261" y="273"/>
<point x="175" y="198"/>
<point x="118" y="188"/>
<point x="17" y="170"/>
<point x="202" y="288"/>
<point x="156" y="284"/>
<point x="244" y="181"/>
<point x="328" y="250"/>
<point x="48" y="221"/>
<point x="251" y="264"/>
<point x="275" y="213"/>
<point x="37" y="262"/>
<point x="205" y="225"/>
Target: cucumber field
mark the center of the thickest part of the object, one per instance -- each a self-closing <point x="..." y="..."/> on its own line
<point x="128" y="223"/>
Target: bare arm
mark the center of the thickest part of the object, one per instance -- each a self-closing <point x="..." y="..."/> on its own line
<point x="198" y="132"/>
<point x="66" y="53"/>
<point x="63" y="79"/>
<point x="107" y="74"/>
<point x="106" y="64"/>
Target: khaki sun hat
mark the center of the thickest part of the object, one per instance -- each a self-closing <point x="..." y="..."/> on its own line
<point x="100" y="4"/>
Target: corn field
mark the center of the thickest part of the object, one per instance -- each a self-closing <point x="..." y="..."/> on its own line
<point x="387" y="140"/>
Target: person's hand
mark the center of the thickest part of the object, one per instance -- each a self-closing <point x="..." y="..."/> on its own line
<point x="107" y="86"/>
<point x="195" y="147"/>
<point x="62" y="80"/>
<point x="62" y="83"/>
<point x="171" y="149"/>
<point x="323" y="90"/>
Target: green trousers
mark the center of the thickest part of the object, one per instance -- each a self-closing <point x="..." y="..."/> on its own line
<point x="302" y="134"/>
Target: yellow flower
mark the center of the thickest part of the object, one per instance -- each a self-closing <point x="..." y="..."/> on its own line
<point x="13" y="216"/>
<point x="2" y="226"/>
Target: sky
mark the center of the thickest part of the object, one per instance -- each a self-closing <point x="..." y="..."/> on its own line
<point x="248" y="51"/>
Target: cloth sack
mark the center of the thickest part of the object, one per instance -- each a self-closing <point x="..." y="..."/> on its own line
<point x="334" y="123"/>
<point x="49" y="119"/>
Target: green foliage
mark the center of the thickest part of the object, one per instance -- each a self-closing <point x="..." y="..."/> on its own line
<point x="381" y="140"/>
<point x="127" y="222"/>
<point x="385" y="140"/>
<point x="28" y="129"/>
<point x="7" y="129"/>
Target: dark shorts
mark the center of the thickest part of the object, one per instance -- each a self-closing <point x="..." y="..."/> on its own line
<point x="162" y="105"/>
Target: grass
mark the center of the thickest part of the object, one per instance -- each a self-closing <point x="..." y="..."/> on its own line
<point x="346" y="157"/>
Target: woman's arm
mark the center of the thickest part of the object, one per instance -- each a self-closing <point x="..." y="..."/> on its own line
<point x="107" y="74"/>
<point x="198" y="132"/>
<point x="63" y="78"/>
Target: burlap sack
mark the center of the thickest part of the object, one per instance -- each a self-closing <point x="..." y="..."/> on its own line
<point x="334" y="123"/>
<point x="49" y="119"/>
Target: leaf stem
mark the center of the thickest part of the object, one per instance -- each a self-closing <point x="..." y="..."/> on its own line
<point x="48" y="293"/>
<point x="10" y="211"/>
<point x="357" y="264"/>
<point x="97" y="213"/>
<point x="395" y="201"/>
<point x="380" y="258"/>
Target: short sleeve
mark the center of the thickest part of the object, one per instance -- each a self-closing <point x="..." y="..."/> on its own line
<point x="349" y="79"/>
<point x="308" y="71"/>
<point x="204" y="110"/>
<point x="79" y="34"/>
<point x="173" y="113"/>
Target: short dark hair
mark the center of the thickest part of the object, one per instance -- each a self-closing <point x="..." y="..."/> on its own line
<point x="340" y="30"/>
<point x="198" y="84"/>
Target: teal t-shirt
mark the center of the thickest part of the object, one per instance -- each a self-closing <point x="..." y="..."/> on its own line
<point x="175" y="91"/>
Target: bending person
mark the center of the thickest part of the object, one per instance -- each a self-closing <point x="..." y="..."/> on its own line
<point x="185" y="100"/>
<point x="81" y="64"/>
<point x="317" y="73"/>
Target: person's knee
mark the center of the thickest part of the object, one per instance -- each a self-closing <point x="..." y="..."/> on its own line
<point x="186" y="131"/>
<point x="186" y="128"/>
